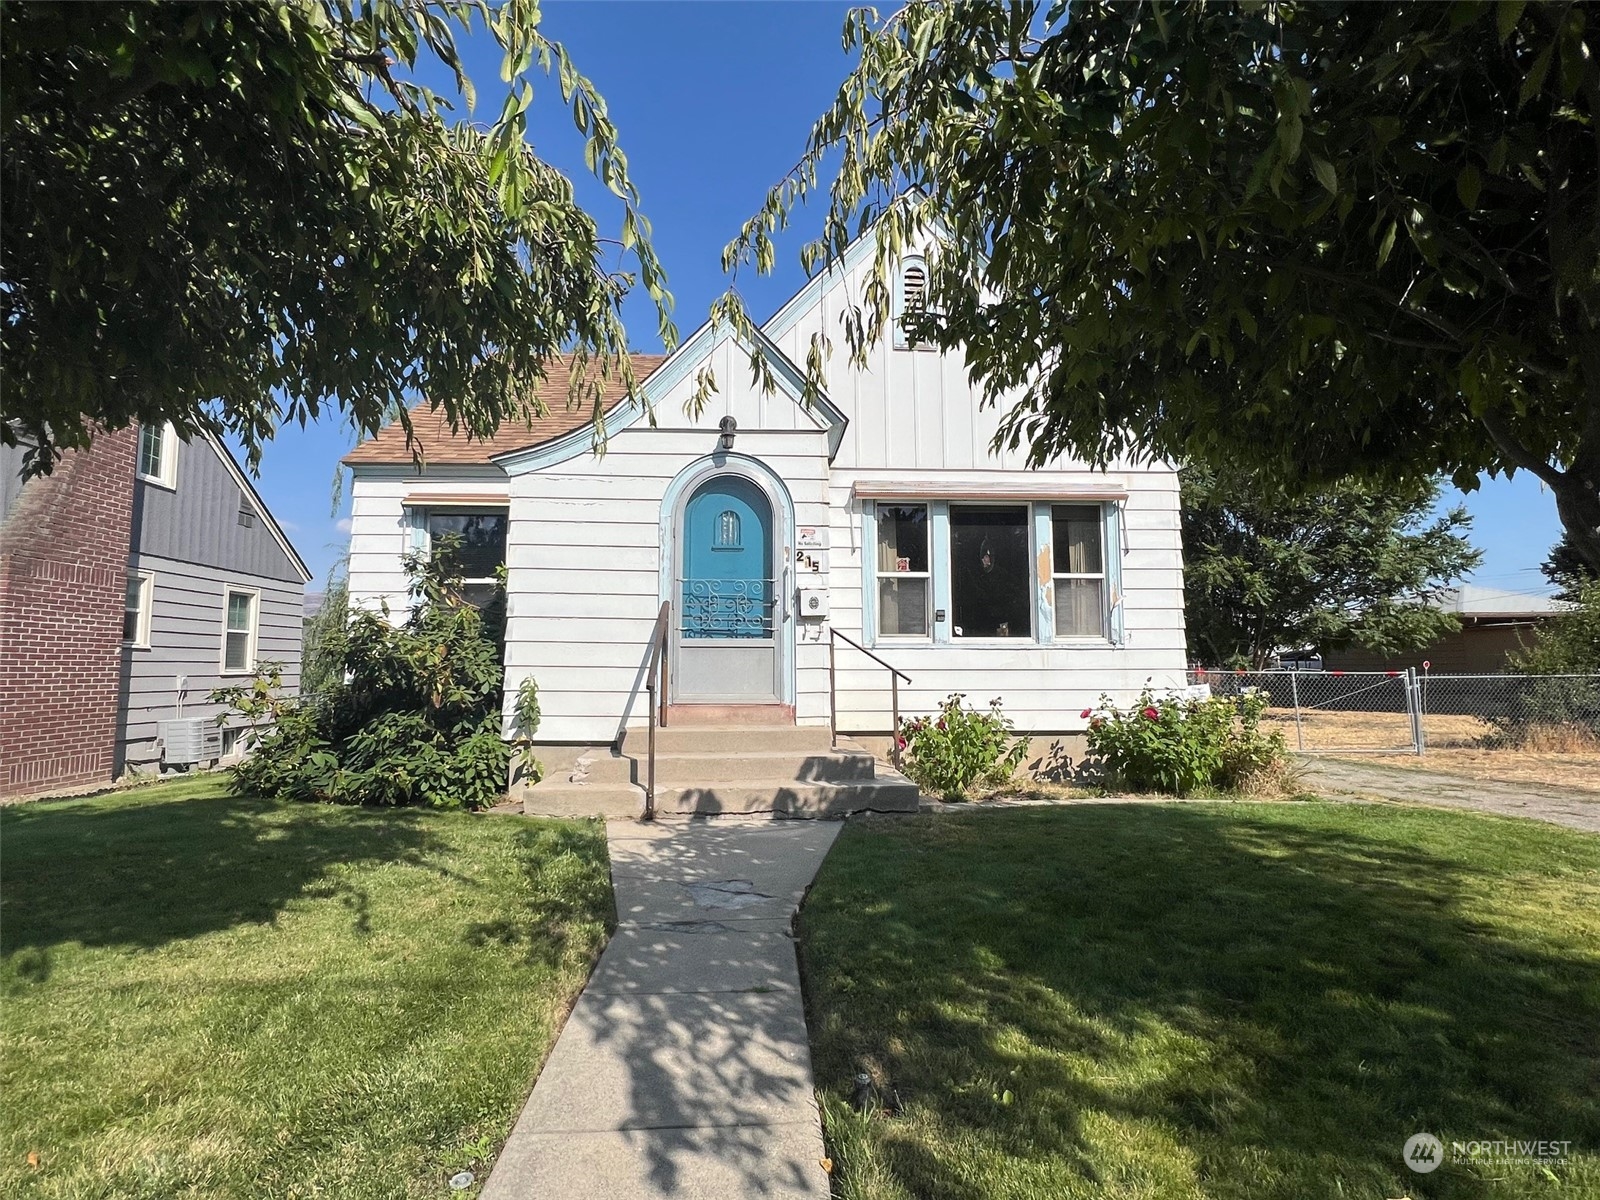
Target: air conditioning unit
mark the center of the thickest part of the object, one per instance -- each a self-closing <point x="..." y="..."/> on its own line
<point x="190" y="740"/>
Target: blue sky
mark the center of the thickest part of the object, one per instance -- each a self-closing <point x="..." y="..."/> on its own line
<point x="712" y="102"/>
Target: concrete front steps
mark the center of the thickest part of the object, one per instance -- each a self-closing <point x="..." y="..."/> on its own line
<point x="791" y="770"/>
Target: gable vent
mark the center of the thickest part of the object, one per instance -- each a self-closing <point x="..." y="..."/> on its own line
<point x="914" y="288"/>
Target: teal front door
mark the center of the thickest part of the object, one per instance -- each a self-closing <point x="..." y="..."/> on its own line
<point x="729" y="614"/>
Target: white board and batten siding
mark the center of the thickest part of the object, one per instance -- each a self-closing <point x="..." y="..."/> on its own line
<point x="915" y="415"/>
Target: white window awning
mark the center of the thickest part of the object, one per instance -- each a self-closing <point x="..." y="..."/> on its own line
<point x="980" y="489"/>
<point x="457" y="500"/>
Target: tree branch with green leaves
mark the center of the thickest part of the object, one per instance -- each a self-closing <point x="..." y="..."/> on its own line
<point x="235" y="216"/>
<point x="1315" y="240"/>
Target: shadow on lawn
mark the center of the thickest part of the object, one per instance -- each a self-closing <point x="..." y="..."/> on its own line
<point x="567" y="881"/>
<point x="142" y="874"/>
<point x="1286" y="999"/>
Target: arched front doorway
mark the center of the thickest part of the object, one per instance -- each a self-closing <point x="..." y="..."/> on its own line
<point x="728" y="609"/>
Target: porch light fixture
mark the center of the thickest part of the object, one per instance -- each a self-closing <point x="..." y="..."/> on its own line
<point x="729" y="427"/>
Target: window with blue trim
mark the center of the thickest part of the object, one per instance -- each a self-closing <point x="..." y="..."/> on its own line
<point x="904" y="581"/>
<point x="1078" y="569"/>
<point x="479" y="539"/>
<point x="952" y="571"/>
<point x="991" y="593"/>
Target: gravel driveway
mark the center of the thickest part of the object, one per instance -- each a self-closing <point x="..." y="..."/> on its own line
<point x="1576" y="810"/>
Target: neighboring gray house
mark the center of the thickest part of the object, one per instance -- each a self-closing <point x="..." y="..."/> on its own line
<point x="214" y="588"/>
<point x="137" y="577"/>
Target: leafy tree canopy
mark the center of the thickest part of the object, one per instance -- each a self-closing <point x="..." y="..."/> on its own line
<point x="1316" y="239"/>
<point x="234" y="215"/>
<point x="1569" y="643"/>
<point x="1349" y="564"/>
<point x="1567" y="570"/>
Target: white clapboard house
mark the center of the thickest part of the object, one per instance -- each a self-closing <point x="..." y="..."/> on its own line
<point x="794" y="551"/>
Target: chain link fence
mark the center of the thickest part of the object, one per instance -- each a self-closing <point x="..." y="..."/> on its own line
<point x="1347" y="711"/>
<point x="1407" y="712"/>
<point x="1552" y="713"/>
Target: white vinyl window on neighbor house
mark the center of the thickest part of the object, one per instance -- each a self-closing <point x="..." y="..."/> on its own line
<point x="158" y="455"/>
<point x="137" y="609"/>
<point x="992" y="571"/>
<point x="239" y="632"/>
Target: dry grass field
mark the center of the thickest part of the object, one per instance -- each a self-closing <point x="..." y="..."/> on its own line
<point x="1459" y="745"/>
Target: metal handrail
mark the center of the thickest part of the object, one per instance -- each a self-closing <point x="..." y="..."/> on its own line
<point x="658" y="703"/>
<point x="895" y="676"/>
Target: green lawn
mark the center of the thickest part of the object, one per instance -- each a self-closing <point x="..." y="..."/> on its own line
<point x="1248" y="1001"/>
<point x="209" y="996"/>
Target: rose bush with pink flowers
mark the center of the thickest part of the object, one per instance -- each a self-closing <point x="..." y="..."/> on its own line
<point x="950" y="752"/>
<point x="1177" y="746"/>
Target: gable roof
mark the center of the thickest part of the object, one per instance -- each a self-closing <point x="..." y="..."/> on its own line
<point x="260" y="506"/>
<point x="432" y="435"/>
<point x="671" y="370"/>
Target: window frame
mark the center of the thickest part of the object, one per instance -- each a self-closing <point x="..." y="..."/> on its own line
<point x="423" y="519"/>
<point x="167" y="476"/>
<point x="254" y="632"/>
<point x="900" y="639"/>
<point x="1029" y="521"/>
<point x="1041" y="540"/>
<point x="146" y="610"/>
<point x="1103" y="575"/>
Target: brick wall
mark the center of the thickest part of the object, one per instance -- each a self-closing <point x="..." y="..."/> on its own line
<point x="63" y="578"/>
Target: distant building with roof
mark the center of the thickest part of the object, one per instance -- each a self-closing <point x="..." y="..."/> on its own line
<point x="1495" y="624"/>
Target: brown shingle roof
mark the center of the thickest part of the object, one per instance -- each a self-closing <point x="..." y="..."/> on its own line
<point x="431" y="432"/>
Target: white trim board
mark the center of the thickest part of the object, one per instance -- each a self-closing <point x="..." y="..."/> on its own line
<point x="1065" y="491"/>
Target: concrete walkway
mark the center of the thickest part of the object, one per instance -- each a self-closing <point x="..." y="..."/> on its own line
<point x="1574" y="809"/>
<point x="684" y="1069"/>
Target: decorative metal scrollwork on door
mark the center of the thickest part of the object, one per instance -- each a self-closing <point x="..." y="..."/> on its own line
<point x="728" y="608"/>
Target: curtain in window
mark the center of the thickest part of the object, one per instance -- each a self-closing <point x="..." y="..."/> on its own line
<point x="1077" y="537"/>
<point x="903" y="570"/>
<point x="1080" y="603"/>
